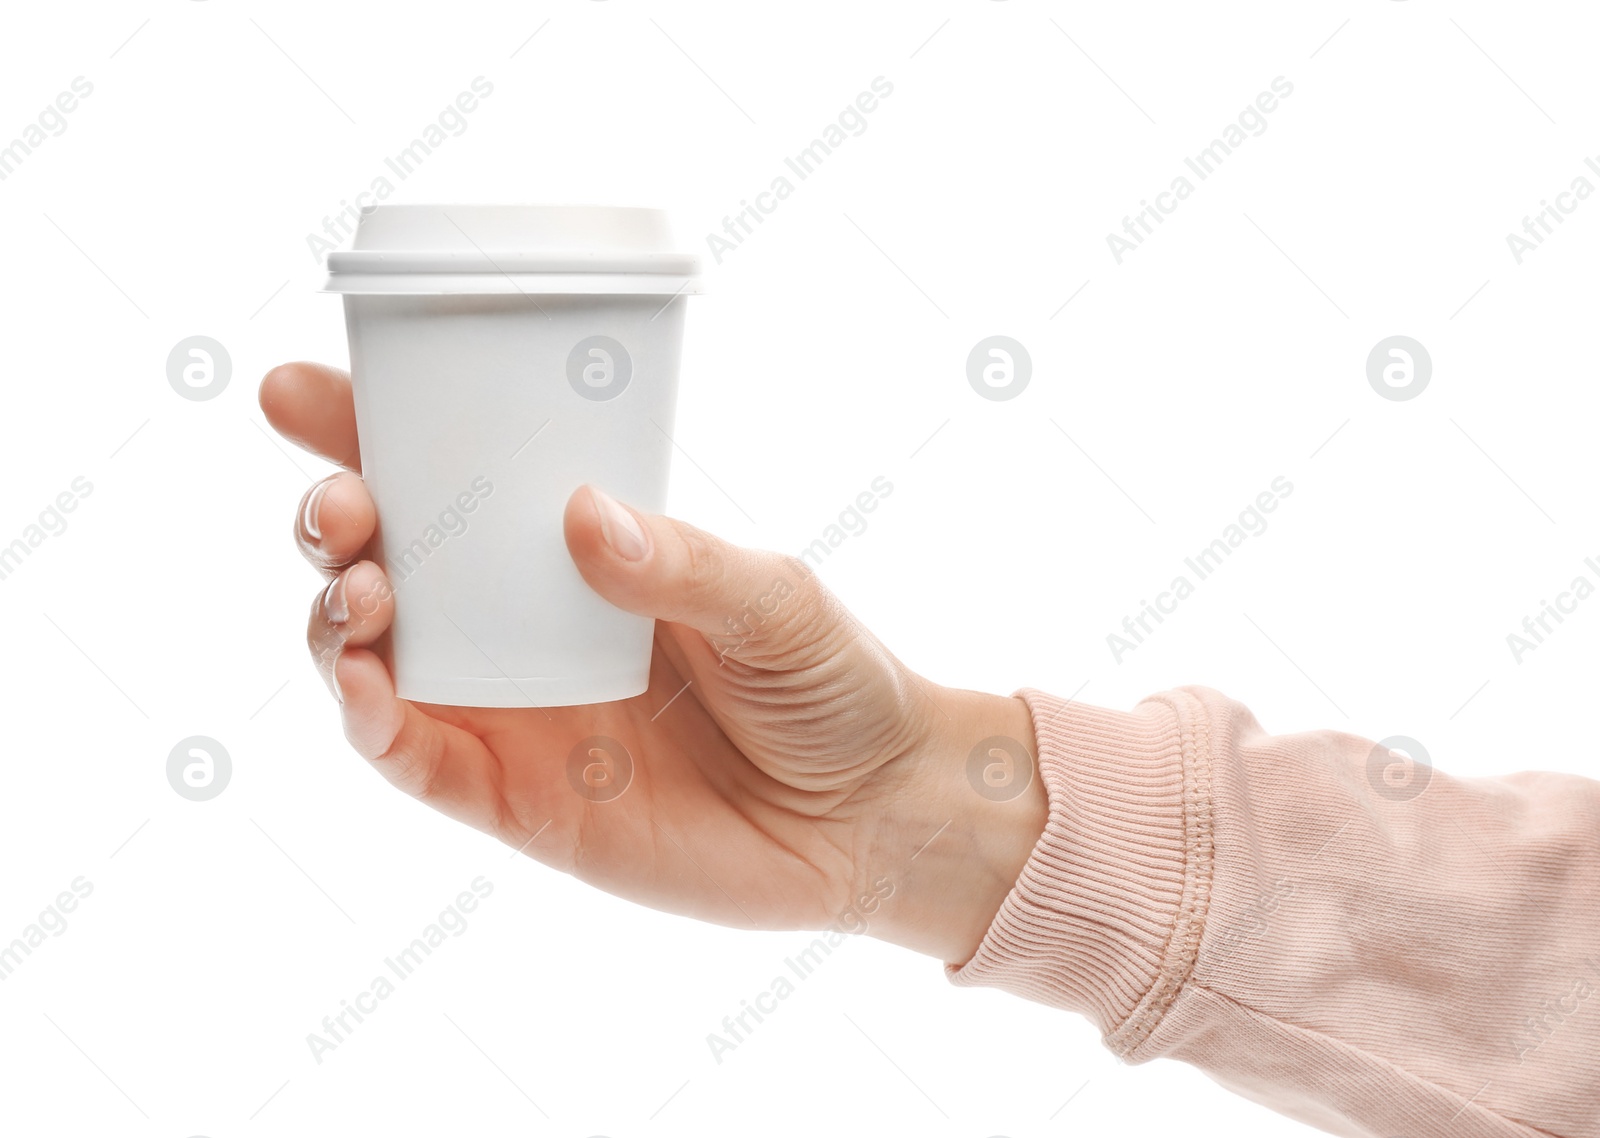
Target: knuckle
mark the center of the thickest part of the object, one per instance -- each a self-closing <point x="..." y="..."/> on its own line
<point x="796" y="595"/>
<point x="800" y="584"/>
<point x="410" y="774"/>
<point x="705" y="566"/>
<point x="411" y="761"/>
<point x="786" y="610"/>
<point x="798" y="572"/>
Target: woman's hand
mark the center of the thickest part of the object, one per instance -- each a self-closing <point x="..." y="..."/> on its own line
<point x="787" y="771"/>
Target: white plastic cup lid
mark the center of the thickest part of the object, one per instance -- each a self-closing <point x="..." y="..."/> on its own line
<point x="497" y="249"/>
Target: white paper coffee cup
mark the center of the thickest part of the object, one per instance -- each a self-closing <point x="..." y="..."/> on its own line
<point x="502" y="356"/>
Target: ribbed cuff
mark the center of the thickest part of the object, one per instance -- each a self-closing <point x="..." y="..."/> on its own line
<point x="1105" y="918"/>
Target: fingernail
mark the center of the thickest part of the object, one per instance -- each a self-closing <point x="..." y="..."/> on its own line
<point x="335" y="606"/>
<point x="620" y="528"/>
<point x="308" y="516"/>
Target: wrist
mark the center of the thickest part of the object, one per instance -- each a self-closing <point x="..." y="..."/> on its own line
<point x="966" y="809"/>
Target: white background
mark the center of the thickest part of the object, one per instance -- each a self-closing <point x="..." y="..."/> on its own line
<point x="1228" y="350"/>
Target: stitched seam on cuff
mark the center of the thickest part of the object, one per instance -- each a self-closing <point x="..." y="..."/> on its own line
<point x="1183" y="940"/>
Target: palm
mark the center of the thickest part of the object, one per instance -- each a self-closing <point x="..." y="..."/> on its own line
<point x="765" y="862"/>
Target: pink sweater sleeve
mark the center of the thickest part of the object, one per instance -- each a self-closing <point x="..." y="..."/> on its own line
<point x="1360" y="955"/>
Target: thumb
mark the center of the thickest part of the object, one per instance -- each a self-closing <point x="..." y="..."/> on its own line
<point x="661" y="567"/>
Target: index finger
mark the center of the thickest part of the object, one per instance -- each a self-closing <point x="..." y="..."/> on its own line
<point x="311" y="405"/>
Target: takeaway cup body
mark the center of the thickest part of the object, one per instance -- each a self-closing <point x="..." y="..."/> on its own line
<point x="501" y="357"/>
